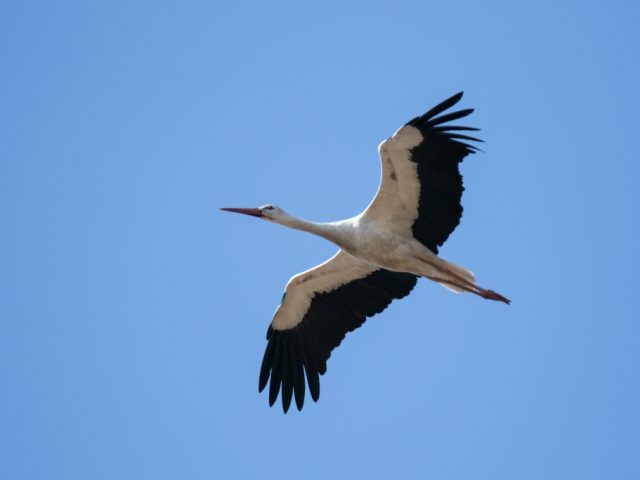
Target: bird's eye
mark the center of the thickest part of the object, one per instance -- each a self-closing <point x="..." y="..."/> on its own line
<point x="268" y="207"/>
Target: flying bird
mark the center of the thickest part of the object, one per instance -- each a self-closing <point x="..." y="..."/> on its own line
<point x="383" y="251"/>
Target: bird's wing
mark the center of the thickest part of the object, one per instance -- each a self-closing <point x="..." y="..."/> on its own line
<point x="421" y="187"/>
<point x="318" y="308"/>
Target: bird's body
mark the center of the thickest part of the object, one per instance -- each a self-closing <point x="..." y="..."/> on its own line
<point x="382" y="252"/>
<point x="368" y="240"/>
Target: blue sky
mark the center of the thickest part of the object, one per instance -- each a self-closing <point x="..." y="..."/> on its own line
<point x="133" y="312"/>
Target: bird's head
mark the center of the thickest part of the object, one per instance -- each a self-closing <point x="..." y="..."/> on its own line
<point x="266" y="212"/>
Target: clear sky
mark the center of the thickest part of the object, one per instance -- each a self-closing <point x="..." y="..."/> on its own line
<point x="133" y="312"/>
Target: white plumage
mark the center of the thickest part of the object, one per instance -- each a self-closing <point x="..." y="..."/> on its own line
<point x="382" y="252"/>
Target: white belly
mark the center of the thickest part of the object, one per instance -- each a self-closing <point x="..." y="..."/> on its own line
<point x="393" y="253"/>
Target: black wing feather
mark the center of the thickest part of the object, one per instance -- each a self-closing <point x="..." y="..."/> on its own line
<point x="438" y="157"/>
<point x="330" y="316"/>
<point x="441" y="107"/>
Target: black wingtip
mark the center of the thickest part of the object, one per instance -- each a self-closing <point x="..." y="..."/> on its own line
<point x="286" y="402"/>
<point x="265" y="368"/>
<point x="459" y="136"/>
<point x="449" y="117"/>
<point x="276" y="375"/>
<point x="450" y="102"/>
<point x="439" y="108"/>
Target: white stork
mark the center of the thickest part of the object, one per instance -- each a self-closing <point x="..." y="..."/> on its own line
<point x="382" y="252"/>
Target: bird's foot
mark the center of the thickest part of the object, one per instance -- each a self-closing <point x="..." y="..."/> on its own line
<point x="491" y="295"/>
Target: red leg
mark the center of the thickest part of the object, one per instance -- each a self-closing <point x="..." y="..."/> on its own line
<point x="466" y="285"/>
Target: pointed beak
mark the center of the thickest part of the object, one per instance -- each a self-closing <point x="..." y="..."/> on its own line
<point x="254" y="212"/>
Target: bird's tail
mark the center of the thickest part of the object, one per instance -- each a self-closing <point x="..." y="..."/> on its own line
<point x="459" y="271"/>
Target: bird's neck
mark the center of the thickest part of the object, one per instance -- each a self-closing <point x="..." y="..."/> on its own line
<point x="333" y="231"/>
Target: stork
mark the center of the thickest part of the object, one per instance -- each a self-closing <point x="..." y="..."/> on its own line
<point x="383" y="251"/>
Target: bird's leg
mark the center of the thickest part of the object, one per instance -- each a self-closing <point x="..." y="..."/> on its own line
<point x="465" y="284"/>
<point x="469" y="287"/>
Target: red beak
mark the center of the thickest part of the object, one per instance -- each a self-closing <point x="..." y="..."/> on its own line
<point x="254" y="212"/>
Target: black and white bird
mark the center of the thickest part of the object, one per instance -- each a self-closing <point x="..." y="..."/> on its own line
<point x="383" y="251"/>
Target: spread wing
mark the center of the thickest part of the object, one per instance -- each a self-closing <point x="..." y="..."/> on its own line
<point x="421" y="187"/>
<point x="318" y="308"/>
